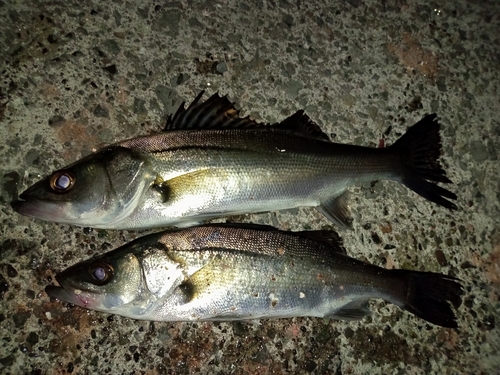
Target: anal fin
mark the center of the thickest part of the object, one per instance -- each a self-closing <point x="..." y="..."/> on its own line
<point x="337" y="210"/>
<point x="354" y="310"/>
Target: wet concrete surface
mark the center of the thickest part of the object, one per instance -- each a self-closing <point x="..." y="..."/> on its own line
<point x="79" y="75"/>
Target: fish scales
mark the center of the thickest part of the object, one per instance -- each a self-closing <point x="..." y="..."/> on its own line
<point x="256" y="275"/>
<point x="227" y="272"/>
<point x="211" y="163"/>
<point x="247" y="171"/>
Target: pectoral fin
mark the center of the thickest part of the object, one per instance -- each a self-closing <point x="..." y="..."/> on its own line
<point x="194" y="182"/>
<point x="162" y="188"/>
<point x="189" y="184"/>
<point x="337" y="210"/>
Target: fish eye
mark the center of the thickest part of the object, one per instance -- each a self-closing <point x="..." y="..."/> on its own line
<point x="62" y="181"/>
<point x="101" y="272"/>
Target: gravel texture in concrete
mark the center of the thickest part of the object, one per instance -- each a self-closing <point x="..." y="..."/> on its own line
<point x="76" y="75"/>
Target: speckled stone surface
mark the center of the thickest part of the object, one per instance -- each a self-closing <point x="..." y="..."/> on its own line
<point x="76" y="75"/>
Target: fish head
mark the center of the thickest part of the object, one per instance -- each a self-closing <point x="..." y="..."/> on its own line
<point x="110" y="283"/>
<point x="98" y="190"/>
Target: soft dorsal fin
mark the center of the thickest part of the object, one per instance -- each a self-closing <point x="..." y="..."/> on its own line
<point x="215" y="113"/>
<point x="329" y="237"/>
<point x="302" y="123"/>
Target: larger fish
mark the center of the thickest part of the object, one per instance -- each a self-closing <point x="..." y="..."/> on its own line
<point x="232" y="273"/>
<point x="210" y="162"/>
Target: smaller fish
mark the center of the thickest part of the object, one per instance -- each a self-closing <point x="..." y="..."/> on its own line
<point x="226" y="272"/>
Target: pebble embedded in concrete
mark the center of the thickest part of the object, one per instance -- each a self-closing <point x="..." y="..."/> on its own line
<point x="77" y="75"/>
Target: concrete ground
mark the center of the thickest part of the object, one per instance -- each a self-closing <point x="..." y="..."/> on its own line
<point x="76" y="75"/>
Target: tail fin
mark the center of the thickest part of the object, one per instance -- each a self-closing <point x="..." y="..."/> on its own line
<point x="428" y="296"/>
<point x="420" y="148"/>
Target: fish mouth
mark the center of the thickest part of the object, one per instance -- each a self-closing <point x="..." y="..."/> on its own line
<point x="19" y="205"/>
<point x="61" y="294"/>
<point x="37" y="208"/>
<point x="67" y="293"/>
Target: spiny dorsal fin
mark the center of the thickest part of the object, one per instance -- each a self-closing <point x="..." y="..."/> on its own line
<point x="219" y="113"/>
<point x="302" y="123"/>
<point x="215" y="113"/>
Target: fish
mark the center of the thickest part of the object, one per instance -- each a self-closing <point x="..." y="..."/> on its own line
<point x="227" y="272"/>
<point x="210" y="162"/>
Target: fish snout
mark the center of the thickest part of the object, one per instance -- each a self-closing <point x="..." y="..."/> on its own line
<point x="17" y="205"/>
<point x="69" y="293"/>
<point x="38" y="208"/>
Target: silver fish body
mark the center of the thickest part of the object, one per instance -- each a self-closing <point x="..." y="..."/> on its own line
<point x="211" y="163"/>
<point x="232" y="273"/>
